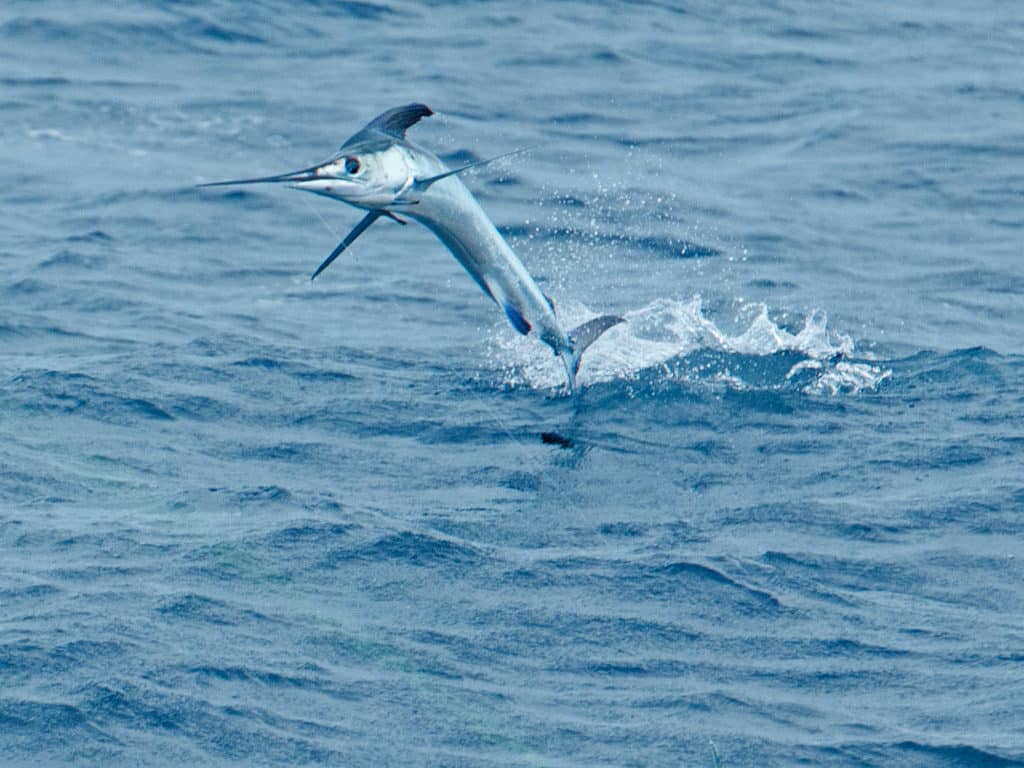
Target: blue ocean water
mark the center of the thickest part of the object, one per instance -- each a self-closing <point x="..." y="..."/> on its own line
<point x="246" y="519"/>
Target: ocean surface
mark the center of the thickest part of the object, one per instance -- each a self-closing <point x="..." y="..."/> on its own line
<point x="250" y="519"/>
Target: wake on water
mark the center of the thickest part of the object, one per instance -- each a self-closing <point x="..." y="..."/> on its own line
<point x="672" y="341"/>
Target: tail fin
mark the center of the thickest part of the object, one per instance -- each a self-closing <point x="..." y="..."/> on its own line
<point x="582" y="337"/>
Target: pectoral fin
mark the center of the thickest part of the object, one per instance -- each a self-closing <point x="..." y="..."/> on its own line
<point x="350" y="238"/>
<point x="421" y="184"/>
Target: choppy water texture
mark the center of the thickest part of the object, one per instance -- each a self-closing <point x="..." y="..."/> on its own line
<point x="246" y="519"/>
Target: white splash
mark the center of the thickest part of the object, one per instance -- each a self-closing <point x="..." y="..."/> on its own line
<point x="662" y="335"/>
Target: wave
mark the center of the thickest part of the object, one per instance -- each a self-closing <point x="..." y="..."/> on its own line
<point x="951" y="753"/>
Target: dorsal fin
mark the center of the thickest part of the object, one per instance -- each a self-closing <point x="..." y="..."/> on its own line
<point x="395" y="122"/>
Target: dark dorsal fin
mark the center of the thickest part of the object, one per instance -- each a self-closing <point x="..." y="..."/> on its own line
<point x="395" y="122"/>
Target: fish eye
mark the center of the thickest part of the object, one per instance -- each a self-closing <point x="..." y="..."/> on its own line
<point x="352" y="166"/>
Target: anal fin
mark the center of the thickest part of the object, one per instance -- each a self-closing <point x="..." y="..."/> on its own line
<point x="516" y="318"/>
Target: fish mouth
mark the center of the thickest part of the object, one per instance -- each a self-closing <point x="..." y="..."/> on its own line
<point x="346" y="190"/>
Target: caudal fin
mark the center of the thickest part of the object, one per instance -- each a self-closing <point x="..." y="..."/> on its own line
<point x="582" y="337"/>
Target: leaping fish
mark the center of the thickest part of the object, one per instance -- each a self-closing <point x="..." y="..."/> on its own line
<point x="380" y="171"/>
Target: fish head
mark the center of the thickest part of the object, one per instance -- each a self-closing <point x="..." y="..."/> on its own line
<point x="369" y="175"/>
<point x="375" y="168"/>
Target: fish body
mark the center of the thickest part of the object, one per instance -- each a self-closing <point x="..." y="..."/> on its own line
<point x="380" y="171"/>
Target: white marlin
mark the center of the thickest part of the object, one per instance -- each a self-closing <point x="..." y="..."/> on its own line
<point x="379" y="170"/>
